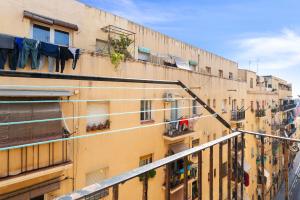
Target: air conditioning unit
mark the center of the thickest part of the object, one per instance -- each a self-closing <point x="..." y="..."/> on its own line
<point x="168" y="97"/>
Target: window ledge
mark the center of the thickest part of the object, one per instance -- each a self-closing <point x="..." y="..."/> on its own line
<point x="150" y="121"/>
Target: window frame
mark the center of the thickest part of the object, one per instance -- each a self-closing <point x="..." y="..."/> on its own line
<point x="52" y="32"/>
<point x="146" y="113"/>
<point x="147" y="158"/>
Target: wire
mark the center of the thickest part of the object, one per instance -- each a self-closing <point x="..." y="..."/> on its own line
<point x="100" y="133"/>
<point x="89" y="100"/>
<point x="88" y="87"/>
<point x="90" y="116"/>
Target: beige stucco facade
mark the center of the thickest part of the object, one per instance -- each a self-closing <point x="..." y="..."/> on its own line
<point x="110" y="154"/>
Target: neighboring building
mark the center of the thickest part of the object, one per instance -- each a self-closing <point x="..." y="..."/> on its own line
<point x="47" y="171"/>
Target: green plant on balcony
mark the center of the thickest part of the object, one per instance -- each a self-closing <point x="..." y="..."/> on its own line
<point x="119" y="51"/>
<point x="260" y="113"/>
<point x="149" y="174"/>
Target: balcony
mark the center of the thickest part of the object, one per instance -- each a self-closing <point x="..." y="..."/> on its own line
<point x="288" y="106"/>
<point x="177" y="174"/>
<point x="237" y="115"/>
<point x="33" y="162"/>
<point x="178" y="130"/>
<point x="275" y="110"/>
<point x="260" y="113"/>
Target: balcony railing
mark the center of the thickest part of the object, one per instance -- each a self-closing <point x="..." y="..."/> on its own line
<point x="238" y="178"/>
<point x="260" y="113"/>
<point x="33" y="158"/>
<point x="288" y="106"/>
<point x="237" y="115"/>
<point x="275" y="110"/>
<point x="177" y="175"/>
<point x="179" y="128"/>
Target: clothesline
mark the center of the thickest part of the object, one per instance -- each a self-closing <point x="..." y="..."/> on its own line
<point x="101" y="133"/>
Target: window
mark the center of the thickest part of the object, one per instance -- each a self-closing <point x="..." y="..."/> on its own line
<point x="230" y="75"/>
<point x="145" y="110"/>
<point x="208" y="70"/>
<point x="26" y="133"/>
<point x="251" y="82"/>
<point x="61" y="38"/>
<point x="224" y="105"/>
<point x="100" y="122"/>
<point x="41" y="33"/>
<point x="214" y="103"/>
<point x="215" y="173"/>
<point x="101" y="46"/>
<point x="144" y="160"/>
<point x="252" y="106"/>
<point x="195" y="109"/>
<point x="50" y="35"/>
<point x="229" y="99"/>
<point x="221" y="73"/>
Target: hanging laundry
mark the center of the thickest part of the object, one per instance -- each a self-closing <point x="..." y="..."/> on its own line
<point x="19" y="47"/>
<point x="76" y="54"/>
<point x="65" y="54"/>
<point x="52" y="51"/>
<point x="6" y="49"/>
<point x="30" y="49"/>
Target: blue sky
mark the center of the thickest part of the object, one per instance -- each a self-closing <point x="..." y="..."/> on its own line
<point x="258" y="34"/>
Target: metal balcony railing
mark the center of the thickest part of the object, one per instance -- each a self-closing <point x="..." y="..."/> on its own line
<point x="237" y="115"/>
<point x="237" y="176"/>
<point x="260" y="113"/>
<point x="289" y="106"/>
<point x="33" y="159"/>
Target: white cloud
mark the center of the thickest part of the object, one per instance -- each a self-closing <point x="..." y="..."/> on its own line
<point x="273" y="52"/>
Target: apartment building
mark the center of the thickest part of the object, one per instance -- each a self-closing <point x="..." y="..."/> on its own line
<point x="46" y="171"/>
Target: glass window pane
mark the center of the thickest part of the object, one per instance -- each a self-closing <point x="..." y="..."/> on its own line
<point x="41" y="33"/>
<point x="61" y="38"/>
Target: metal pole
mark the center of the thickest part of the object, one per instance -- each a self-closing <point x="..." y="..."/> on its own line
<point x="168" y="182"/>
<point x="229" y="169"/>
<point x="242" y="165"/>
<point x="185" y="185"/>
<point x="145" y="186"/>
<point x="262" y="159"/>
<point x="211" y="173"/>
<point x="286" y="169"/>
<point x="220" y="171"/>
<point x="236" y="167"/>
<point x="116" y="192"/>
<point x="200" y="175"/>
